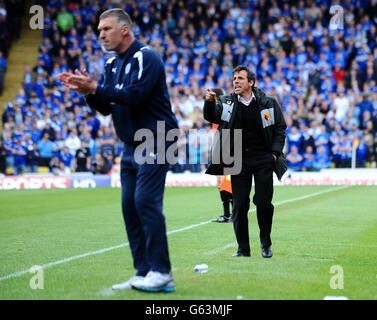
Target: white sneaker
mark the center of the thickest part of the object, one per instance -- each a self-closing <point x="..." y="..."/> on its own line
<point x="128" y="284"/>
<point x="155" y="281"/>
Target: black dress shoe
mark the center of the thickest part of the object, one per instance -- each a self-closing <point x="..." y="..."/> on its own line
<point x="241" y="254"/>
<point x="266" y="252"/>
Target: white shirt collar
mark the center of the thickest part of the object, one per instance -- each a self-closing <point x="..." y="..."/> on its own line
<point x="246" y="103"/>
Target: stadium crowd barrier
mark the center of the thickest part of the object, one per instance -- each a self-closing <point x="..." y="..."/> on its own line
<point x="88" y="180"/>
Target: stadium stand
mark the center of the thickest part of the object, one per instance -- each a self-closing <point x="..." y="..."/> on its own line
<point x="325" y="79"/>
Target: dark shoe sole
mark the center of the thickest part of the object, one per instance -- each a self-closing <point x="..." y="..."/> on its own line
<point x="159" y="289"/>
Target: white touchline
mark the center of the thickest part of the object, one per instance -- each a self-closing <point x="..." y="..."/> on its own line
<point x="91" y="253"/>
<point x="229" y="245"/>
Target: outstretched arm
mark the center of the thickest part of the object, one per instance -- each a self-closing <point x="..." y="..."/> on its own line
<point x="210" y="109"/>
<point x="82" y="83"/>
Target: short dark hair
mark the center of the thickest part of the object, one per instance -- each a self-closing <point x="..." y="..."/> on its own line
<point x="250" y="74"/>
<point x="219" y="92"/>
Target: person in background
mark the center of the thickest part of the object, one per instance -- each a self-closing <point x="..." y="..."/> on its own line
<point x="362" y="153"/>
<point x="98" y="165"/>
<point x="294" y="159"/>
<point x="225" y="196"/>
<point x="322" y="159"/>
<point x="82" y="158"/>
<point x="20" y="152"/>
<point x="32" y="159"/>
<point x="309" y="159"/>
<point x="3" y="155"/>
<point x="45" y="150"/>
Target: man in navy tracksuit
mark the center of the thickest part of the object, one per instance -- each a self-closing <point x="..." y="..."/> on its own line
<point x="134" y="92"/>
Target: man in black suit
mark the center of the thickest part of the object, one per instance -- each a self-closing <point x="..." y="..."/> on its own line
<point x="263" y="136"/>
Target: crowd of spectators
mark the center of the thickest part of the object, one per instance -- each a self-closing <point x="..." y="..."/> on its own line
<point x="324" y="77"/>
<point x="10" y="30"/>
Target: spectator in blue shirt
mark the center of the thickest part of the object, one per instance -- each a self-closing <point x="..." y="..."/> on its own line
<point x="8" y="144"/>
<point x="3" y="68"/>
<point x="106" y="140"/>
<point x="365" y="105"/>
<point x="309" y="159"/>
<point x="294" y="138"/>
<point x="294" y="159"/>
<point x="322" y="159"/>
<point x="323" y="139"/>
<point x="39" y="86"/>
<point x="346" y="151"/>
<point x="66" y="157"/>
<point x="362" y="153"/>
<point x="35" y="132"/>
<point x="19" y="152"/>
<point x="45" y="148"/>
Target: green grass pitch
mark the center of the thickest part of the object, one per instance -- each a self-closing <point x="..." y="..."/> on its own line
<point x="324" y="244"/>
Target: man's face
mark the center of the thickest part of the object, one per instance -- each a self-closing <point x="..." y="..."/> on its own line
<point x="111" y="35"/>
<point x="241" y="85"/>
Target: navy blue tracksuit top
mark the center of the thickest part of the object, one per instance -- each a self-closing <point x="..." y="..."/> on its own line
<point x="134" y="91"/>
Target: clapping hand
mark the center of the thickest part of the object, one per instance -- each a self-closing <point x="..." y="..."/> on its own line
<point x="80" y="82"/>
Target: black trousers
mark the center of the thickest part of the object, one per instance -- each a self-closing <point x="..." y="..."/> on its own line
<point x="260" y="165"/>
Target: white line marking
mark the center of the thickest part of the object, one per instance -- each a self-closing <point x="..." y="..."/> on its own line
<point x="106" y="292"/>
<point x="229" y="245"/>
<point x="310" y="195"/>
<point x="219" y="249"/>
<point x="91" y="253"/>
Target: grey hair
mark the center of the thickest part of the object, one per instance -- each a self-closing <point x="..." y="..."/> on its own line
<point x="122" y="17"/>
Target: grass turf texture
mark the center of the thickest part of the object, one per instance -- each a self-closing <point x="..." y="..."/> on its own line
<point x="335" y="228"/>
